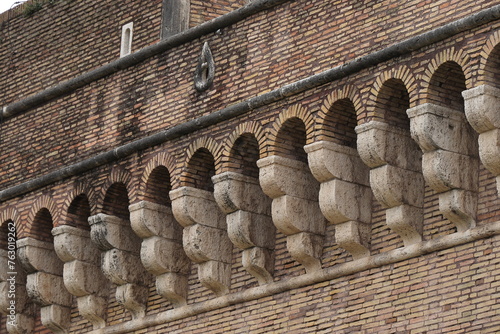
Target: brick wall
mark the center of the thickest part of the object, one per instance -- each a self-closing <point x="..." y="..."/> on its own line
<point x="451" y="290"/>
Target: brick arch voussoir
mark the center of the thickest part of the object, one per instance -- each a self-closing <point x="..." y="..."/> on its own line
<point x="347" y="92"/>
<point x="253" y="128"/>
<point x="204" y="142"/>
<point x="70" y="195"/>
<point x="117" y="175"/>
<point x="43" y="202"/>
<point x="402" y="73"/>
<point x="492" y="42"/>
<point x="295" y="111"/>
<point x="10" y="213"/>
<point x="460" y="57"/>
<point x="159" y="159"/>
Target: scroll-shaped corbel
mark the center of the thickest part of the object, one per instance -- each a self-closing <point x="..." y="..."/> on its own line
<point x="161" y="252"/>
<point x="249" y="223"/>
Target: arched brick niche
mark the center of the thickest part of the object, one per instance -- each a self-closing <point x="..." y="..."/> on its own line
<point x="79" y="212"/>
<point x="243" y="156"/>
<point x="339" y="123"/>
<point x="158" y="186"/>
<point x="116" y="201"/>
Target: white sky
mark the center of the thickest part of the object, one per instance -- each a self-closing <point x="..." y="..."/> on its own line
<point x="6" y="4"/>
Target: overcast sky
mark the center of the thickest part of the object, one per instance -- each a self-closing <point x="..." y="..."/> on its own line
<point x="6" y="4"/>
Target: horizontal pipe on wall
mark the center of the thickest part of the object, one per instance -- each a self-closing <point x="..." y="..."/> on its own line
<point x="358" y="64"/>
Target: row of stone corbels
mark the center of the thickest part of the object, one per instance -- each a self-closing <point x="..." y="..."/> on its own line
<point x="240" y="213"/>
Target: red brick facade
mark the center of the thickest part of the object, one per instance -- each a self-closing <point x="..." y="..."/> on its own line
<point x="450" y="285"/>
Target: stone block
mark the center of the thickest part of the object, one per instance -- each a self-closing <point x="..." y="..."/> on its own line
<point x="292" y="215"/>
<point x="35" y="255"/>
<point x="122" y="267"/>
<point x="380" y="143"/>
<point x="4" y="300"/>
<point x="71" y="243"/>
<point x="459" y="207"/>
<point x="247" y="229"/>
<point x="215" y="276"/>
<point x="445" y="170"/>
<point x="160" y="255"/>
<point x="47" y="289"/>
<point x="3" y="264"/>
<point x="393" y="186"/>
<point x="205" y="243"/>
<point x="436" y="127"/>
<point x="279" y="176"/>
<point x="195" y="206"/>
<point x="23" y="324"/>
<point x="482" y="107"/>
<point x="134" y="298"/>
<point x="354" y="237"/>
<point x="234" y="191"/>
<point x="93" y="308"/>
<point x="306" y="248"/>
<point x="109" y="232"/>
<point x="21" y="297"/>
<point x="259" y="262"/>
<point x="83" y="278"/>
<point x="341" y="201"/>
<point x="328" y="160"/>
<point x="489" y="150"/>
<point x="406" y="221"/>
<point x="173" y="287"/>
<point x="56" y="318"/>
<point x="149" y="219"/>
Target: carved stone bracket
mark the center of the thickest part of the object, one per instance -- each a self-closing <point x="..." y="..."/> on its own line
<point x="120" y="261"/>
<point x="249" y="223"/>
<point x="82" y="274"/>
<point x="45" y="284"/>
<point x="20" y="316"/>
<point x="344" y="195"/>
<point x="161" y="253"/>
<point x="295" y="208"/>
<point x="395" y="176"/>
<point x="482" y="111"/>
<point x="205" y="238"/>
<point x="450" y="163"/>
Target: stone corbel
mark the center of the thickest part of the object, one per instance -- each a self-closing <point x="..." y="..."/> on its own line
<point x="344" y="195"/>
<point x="82" y="274"/>
<point x="205" y="238"/>
<point x="120" y="261"/>
<point x="161" y="253"/>
<point x="20" y="316"/>
<point x="295" y="208"/>
<point x="482" y="111"/>
<point x="249" y="223"/>
<point x="395" y="176"/>
<point x="45" y="284"/>
<point x="450" y="164"/>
